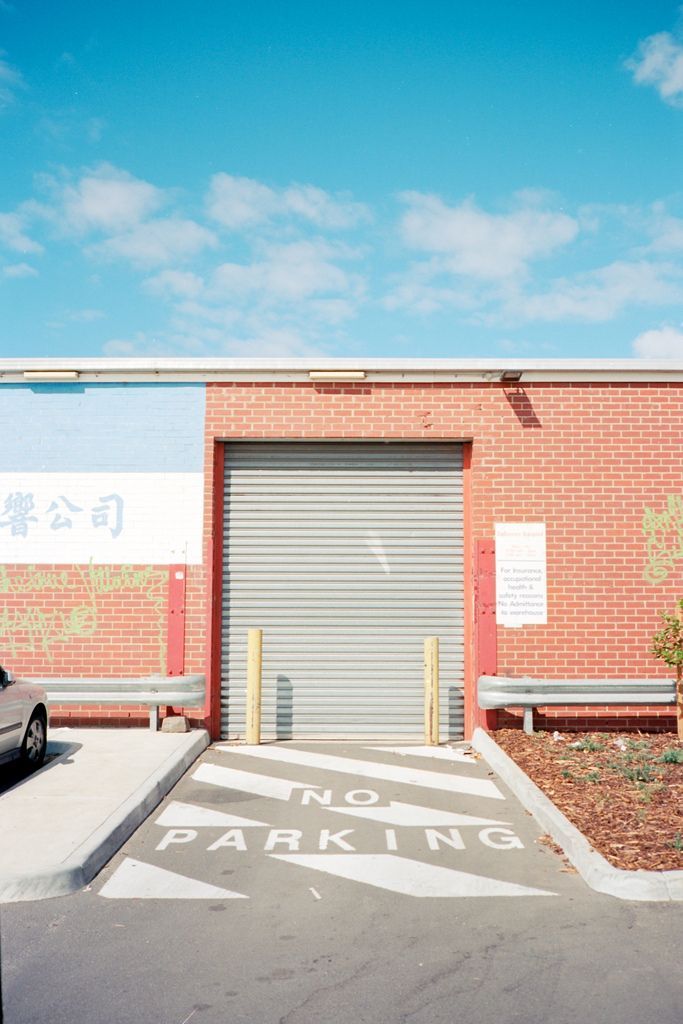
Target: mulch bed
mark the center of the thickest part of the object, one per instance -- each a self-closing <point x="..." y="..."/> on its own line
<point x="623" y="791"/>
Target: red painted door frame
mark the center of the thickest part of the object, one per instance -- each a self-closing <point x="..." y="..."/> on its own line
<point x="486" y="643"/>
<point x="480" y="604"/>
<point x="215" y="594"/>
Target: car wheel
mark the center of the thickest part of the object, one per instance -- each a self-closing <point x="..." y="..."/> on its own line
<point x="35" y="743"/>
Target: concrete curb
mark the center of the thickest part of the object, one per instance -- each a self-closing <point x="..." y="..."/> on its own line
<point x="94" y="852"/>
<point x="596" y="872"/>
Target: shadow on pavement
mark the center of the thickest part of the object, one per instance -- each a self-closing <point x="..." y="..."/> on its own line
<point x="13" y="774"/>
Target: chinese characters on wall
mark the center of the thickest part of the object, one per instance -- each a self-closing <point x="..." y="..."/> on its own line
<point x="104" y="518"/>
<point x="21" y="511"/>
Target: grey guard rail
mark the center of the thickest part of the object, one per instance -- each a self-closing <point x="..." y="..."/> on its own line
<point x="527" y="693"/>
<point x="152" y="691"/>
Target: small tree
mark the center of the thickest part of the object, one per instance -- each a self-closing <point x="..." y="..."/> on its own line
<point x="667" y="644"/>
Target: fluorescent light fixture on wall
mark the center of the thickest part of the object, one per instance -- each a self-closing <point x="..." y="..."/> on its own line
<point x="337" y="374"/>
<point x="55" y="375"/>
<point x="511" y="375"/>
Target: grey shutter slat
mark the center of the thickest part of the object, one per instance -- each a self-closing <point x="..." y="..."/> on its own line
<point x="347" y="555"/>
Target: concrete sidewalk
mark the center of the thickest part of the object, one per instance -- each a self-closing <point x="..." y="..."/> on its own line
<point x="59" y="826"/>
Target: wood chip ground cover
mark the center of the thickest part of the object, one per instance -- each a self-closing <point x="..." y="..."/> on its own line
<point x="623" y="791"/>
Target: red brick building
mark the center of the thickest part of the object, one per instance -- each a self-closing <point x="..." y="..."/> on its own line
<point x="152" y="510"/>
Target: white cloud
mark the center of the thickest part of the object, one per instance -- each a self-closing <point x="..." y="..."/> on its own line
<point x="426" y="287"/>
<point x="193" y="312"/>
<point x="660" y="343"/>
<point x="140" y="344"/>
<point x="108" y="199"/>
<point x="482" y="245"/>
<point x="601" y="294"/>
<point x="68" y="125"/>
<point x="318" y="207"/>
<point x="273" y="343"/>
<point x="175" y="283"/>
<point x="259" y="339"/>
<point x="197" y="338"/>
<point x="121" y="347"/>
<point x="595" y="296"/>
<point x="659" y="62"/>
<point x="239" y="203"/>
<point x="666" y="231"/>
<point x="85" y="316"/>
<point x="280" y="304"/>
<point x="156" y="242"/>
<point x="525" y="347"/>
<point x="283" y="303"/>
<point x="13" y="236"/>
<point x="474" y="258"/>
<point x="332" y="310"/>
<point x="19" y="270"/>
<point x="78" y="316"/>
<point x="289" y="273"/>
<point x="94" y="128"/>
<point x="10" y="81"/>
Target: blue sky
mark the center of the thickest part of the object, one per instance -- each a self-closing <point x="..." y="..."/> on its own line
<point x="423" y="179"/>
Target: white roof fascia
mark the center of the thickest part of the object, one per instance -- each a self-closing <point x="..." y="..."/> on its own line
<point x="424" y="370"/>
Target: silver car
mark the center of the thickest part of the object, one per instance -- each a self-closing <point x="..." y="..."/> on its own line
<point x="23" y="721"/>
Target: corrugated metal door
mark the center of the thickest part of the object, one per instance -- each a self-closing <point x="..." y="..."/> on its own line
<point x="347" y="555"/>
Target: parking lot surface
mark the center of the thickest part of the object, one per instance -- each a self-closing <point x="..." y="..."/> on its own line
<point x="296" y="883"/>
<point x="416" y="822"/>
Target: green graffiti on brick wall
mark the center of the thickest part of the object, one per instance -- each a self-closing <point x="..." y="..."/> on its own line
<point x="663" y="531"/>
<point x="34" y="629"/>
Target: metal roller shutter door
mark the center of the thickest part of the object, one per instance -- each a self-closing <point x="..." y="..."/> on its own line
<point x="347" y="555"/>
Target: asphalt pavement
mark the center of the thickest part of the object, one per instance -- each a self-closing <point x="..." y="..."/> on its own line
<point x="299" y="883"/>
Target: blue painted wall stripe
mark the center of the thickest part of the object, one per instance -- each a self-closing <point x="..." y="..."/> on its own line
<point x="87" y="428"/>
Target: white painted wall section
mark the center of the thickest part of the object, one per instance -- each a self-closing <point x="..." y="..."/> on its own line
<point x="106" y="518"/>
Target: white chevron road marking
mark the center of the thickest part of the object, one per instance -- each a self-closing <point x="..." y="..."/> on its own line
<point x="438" y="753"/>
<point x="180" y="815"/>
<point x="372" y="770"/>
<point x="397" y="813"/>
<point x="135" y="880"/>
<point x="408" y="877"/>
<point x="247" y="782"/>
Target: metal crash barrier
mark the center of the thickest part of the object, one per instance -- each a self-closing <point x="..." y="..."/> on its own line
<point x="152" y="691"/>
<point x="521" y="691"/>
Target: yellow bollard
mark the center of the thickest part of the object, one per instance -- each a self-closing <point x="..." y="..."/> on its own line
<point x="254" y="647"/>
<point x="431" y="664"/>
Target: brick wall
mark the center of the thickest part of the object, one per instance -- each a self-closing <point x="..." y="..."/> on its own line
<point x="63" y="446"/>
<point x="89" y="621"/>
<point x="587" y="459"/>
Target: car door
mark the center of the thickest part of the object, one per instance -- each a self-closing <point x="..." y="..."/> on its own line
<point x="11" y="709"/>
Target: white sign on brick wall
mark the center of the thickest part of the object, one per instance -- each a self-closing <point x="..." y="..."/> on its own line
<point x="521" y="574"/>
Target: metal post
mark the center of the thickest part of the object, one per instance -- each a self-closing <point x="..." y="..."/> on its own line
<point x="254" y="646"/>
<point x="431" y="671"/>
